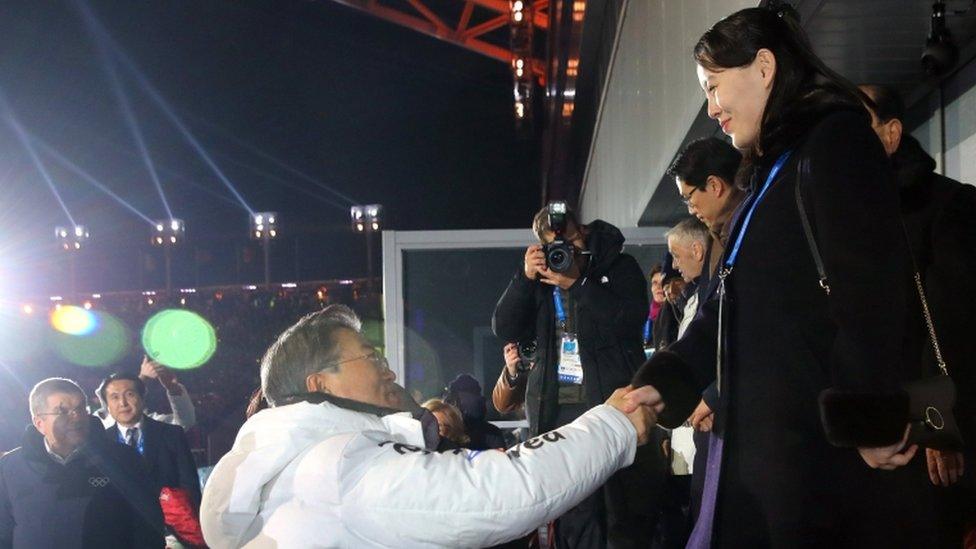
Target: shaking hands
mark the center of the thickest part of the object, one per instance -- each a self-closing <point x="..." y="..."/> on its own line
<point x="641" y="407"/>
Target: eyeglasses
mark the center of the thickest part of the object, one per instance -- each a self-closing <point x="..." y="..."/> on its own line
<point x="378" y="360"/>
<point x="686" y="198"/>
<point x="80" y="411"/>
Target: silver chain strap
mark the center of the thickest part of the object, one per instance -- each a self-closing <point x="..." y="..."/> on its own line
<point x="930" y="324"/>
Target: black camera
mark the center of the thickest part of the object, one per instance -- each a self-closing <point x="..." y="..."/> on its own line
<point x="559" y="253"/>
<point x="940" y="53"/>
<point x="527" y="353"/>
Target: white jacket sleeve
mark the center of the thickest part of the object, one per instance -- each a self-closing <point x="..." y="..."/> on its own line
<point x="184" y="413"/>
<point x="398" y="495"/>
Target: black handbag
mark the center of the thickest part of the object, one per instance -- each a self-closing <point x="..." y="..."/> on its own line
<point x="932" y="423"/>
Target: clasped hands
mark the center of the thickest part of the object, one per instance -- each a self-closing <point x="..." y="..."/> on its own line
<point x="641" y="407"/>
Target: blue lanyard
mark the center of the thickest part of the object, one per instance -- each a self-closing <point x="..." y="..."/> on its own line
<point x="560" y="311"/>
<point x="730" y="261"/>
<point x="140" y="444"/>
<point x="647" y="329"/>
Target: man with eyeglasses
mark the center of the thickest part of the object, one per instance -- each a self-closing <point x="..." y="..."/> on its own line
<point x="588" y="325"/>
<point x="66" y="487"/>
<point x="332" y="464"/>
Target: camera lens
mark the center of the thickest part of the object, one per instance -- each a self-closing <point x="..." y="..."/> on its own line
<point x="559" y="256"/>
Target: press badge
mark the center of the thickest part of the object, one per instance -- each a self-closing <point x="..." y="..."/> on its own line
<point x="570" y="368"/>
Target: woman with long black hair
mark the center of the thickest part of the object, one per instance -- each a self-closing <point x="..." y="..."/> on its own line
<point x="780" y="333"/>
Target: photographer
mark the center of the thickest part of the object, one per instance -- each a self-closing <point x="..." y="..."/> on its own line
<point x="587" y="322"/>
<point x="509" y="392"/>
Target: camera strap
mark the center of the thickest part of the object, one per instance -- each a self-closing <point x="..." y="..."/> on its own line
<point x="557" y="302"/>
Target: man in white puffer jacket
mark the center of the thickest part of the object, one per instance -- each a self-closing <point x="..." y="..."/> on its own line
<point x="312" y="473"/>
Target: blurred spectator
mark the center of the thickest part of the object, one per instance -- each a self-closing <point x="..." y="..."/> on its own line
<point x="665" y="329"/>
<point x="465" y="393"/>
<point x="256" y="403"/>
<point x="656" y="277"/>
<point x="450" y="424"/>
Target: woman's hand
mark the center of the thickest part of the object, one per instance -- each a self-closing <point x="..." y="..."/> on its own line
<point x="891" y="457"/>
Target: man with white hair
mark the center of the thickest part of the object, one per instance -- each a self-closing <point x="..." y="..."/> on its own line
<point x="687" y="242"/>
<point x="331" y="464"/>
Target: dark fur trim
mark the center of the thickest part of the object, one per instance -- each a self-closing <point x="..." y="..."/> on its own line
<point x="669" y="374"/>
<point x="863" y="419"/>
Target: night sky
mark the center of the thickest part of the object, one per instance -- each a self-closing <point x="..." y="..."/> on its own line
<point x="290" y="98"/>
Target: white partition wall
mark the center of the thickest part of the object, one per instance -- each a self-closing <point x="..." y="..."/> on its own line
<point x="439" y="290"/>
<point x="650" y="99"/>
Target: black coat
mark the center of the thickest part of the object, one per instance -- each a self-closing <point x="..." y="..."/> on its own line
<point x="167" y="455"/>
<point x="940" y="217"/>
<point x="786" y="341"/>
<point x="612" y="298"/>
<point x="103" y="497"/>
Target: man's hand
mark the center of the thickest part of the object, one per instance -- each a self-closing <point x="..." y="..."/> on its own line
<point x="645" y="396"/>
<point x="512" y="360"/>
<point x="702" y="418"/>
<point x="945" y="468"/>
<point x="563" y="280"/>
<point x="638" y="408"/>
<point x="891" y="457"/>
<point x="148" y="368"/>
<point x="151" y="369"/>
<point x="535" y="261"/>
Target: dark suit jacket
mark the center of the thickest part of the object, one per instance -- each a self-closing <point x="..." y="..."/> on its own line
<point x="167" y="455"/>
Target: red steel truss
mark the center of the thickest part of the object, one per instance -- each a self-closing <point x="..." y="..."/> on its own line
<point x="416" y="15"/>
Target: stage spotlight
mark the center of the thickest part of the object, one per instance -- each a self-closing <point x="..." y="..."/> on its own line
<point x="264" y="225"/>
<point x="28" y="309"/>
<point x="71" y="238"/>
<point x="366" y="218"/>
<point x="169" y="232"/>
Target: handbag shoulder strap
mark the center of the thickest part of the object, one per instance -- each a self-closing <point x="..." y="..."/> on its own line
<point x="822" y="272"/>
<point x="807" y="229"/>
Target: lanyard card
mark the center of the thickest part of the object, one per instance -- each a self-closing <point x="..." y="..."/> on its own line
<point x="570" y="368"/>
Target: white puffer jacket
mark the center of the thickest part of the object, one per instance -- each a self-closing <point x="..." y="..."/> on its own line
<point x="317" y="475"/>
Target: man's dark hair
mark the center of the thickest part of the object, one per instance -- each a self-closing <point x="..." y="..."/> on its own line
<point x="703" y="158"/>
<point x="540" y="223"/>
<point x="103" y="386"/>
<point x="888" y="104"/>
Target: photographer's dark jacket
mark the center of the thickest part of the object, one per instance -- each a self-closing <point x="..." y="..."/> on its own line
<point x="781" y="483"/>
<point x="613" y="304"/>
<point x="102" y="497"/>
